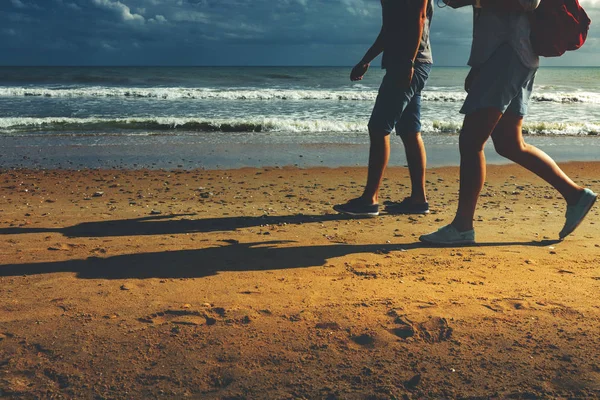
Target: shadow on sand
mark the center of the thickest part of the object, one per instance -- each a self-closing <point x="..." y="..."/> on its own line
<point x="166" y="225"/>
<point x="231" y="256"/>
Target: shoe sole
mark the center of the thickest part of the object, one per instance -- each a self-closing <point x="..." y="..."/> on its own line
<point x="387" y="210"/>
<point x="585" y="213"/>
<point x="356" y="214"/>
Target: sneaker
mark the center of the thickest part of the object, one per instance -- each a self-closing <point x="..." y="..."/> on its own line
<point x="449" y="235"/>
<point x="576" y="213"/>
<point x="406" y="207"/>
<point x="357" y="207"/>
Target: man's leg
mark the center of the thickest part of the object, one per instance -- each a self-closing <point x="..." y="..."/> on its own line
<point x="379" y="155"/>
<point x="389" y="107"/>
<point x="477" y="128"/>
<point x="416" y="158"/>
<point x="409" y="129"/>
<point x="509" y="143"/>
<point x="368" y="203"/>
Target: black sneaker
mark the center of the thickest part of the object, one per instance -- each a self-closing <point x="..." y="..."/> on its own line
<point x="406" y="207"/>
<point x="357" y="207"/>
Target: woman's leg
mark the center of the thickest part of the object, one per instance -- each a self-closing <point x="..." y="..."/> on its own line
<point x="509" y="143"/>
<point x="477" y="128"/>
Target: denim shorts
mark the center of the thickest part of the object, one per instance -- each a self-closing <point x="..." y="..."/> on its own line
<point x="399" y="108"/>
<point x="502" y="82"/>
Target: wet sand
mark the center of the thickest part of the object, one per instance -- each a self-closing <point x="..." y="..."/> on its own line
<point x="245" y="284"/>
<point x="251" y="150"/>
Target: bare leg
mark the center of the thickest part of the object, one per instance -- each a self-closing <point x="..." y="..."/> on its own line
<point x="477" y="128"/>
<point x="416" y="158"/>
<point x="379" y="155"/>
<point x="509" y="143"/>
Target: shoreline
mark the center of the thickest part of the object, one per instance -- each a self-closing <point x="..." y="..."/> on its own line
<point x="244" y="283"/>
<point x="256" y="151"/>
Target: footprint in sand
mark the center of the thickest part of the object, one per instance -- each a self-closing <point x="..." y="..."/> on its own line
<point x="365" y="339"/>
<point x="505" y="305"/>
<point x="209" y="316"/>
<point x="405" y="328"/>
<point x="180" y="317"/>
<point x="434" y="330"/>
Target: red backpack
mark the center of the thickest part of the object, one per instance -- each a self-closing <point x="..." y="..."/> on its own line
<point x="558" y="26"/>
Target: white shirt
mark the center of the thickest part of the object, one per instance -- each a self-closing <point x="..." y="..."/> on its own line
<point x="492" y="28"/>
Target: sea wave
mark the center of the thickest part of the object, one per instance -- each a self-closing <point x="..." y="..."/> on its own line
<point x="529" y="128"/>
<point x="182" y="93"/>
<point x="132" y="125"/>
<point x="98" y="126"/>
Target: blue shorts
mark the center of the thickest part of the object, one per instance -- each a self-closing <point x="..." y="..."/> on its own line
<point x="398" y="108"/>
<point x="502" y="82"/>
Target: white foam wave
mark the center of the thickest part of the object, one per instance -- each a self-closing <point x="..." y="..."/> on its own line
<point x="23" y="126"/>
<point x="64" y="124"/>
<point x="179" y="93"/>
<point x="531" y="128"/>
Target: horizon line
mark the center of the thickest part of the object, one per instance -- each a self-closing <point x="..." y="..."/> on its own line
<point x="248" y="66"/>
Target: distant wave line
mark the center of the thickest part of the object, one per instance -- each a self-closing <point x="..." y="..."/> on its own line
<point x="179" y="93"/>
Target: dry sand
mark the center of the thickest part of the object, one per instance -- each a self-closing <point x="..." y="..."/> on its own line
<point x="245" y="284"/>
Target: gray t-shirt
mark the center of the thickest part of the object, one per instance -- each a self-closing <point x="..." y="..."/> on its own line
<point x="491" y="28"/>
<point x="394" y="29"/>
<point x="424" y="55"/>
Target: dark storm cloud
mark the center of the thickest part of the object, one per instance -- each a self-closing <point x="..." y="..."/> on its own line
<point x="216" y="32"/>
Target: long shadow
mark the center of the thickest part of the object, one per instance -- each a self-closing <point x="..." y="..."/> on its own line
<point x="231" y="256"/>
<point x="166" y="225"/>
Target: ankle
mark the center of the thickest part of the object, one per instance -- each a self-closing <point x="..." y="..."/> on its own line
<point x="418" y="198"/>
<point x="370" y="199"/>
<point x="574" y="196"/>
<point x="462" y="226"/>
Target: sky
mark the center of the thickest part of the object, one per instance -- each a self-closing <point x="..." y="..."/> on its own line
<point x="226" y="32"/>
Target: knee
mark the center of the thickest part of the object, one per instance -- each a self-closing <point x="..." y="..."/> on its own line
<point x="410" y="137"/>
<point x="377" y="134"/>
<point x="467" y="145"/>
<point x="509" y="149"/>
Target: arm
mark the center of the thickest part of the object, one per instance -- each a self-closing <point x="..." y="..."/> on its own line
<point x="405" y="28"/>
<point x="374" y="50"/>
<point x="413" y="20"/>
<point x="511" y="5"/>
<point x="361" y="68"/>
<point x="502" y="5"/>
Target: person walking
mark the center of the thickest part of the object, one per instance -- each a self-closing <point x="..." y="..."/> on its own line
<point x="499" y="85"/>
<point x="404" y="41"/>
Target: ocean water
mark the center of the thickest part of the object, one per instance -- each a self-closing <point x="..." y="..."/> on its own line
<point x="225" y="117"/>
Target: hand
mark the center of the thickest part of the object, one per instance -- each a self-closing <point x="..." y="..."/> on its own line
<point x="405" y="79"/>
<point x="359" y="71"/>
<point x="458" y="3"/>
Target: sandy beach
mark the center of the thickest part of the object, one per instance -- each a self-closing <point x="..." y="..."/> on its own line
<point x="245" y="284"/>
